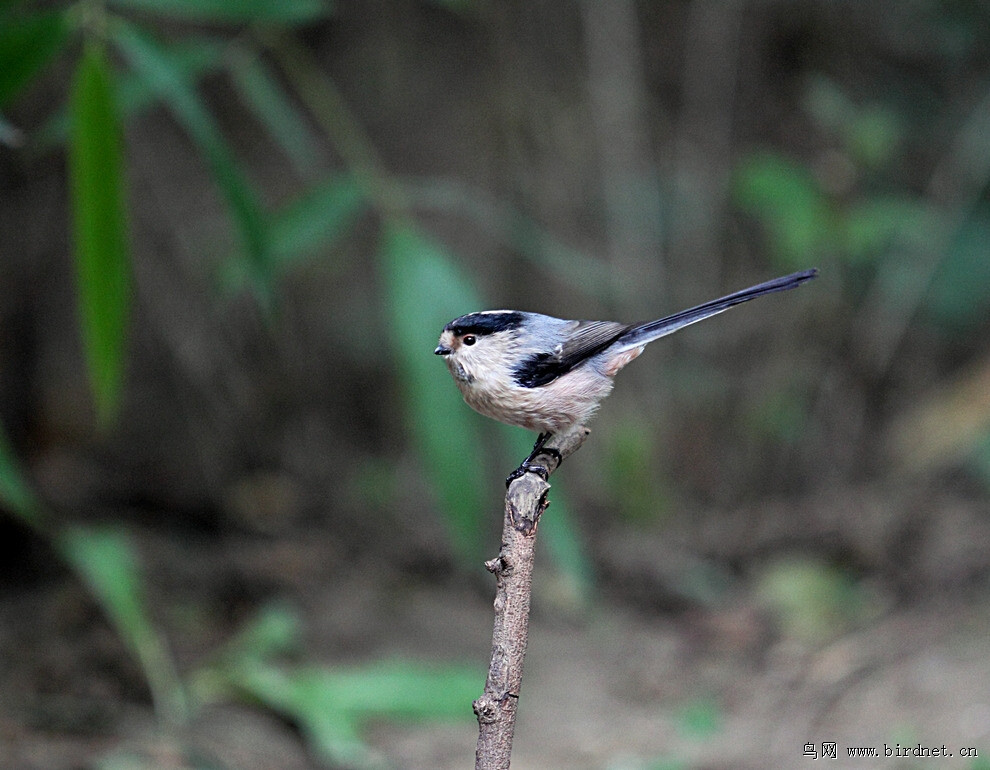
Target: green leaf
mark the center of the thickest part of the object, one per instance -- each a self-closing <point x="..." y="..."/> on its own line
<point x="701" y="718"/>
<point x="332" y="705"/>
<point x="233" y="11"/>
<point x="316" y="220"/>
<point x="425" y="289"/>
<point x="332" y="733"/>
<point x="168" y="81"/>
<point x="514" y="229"/>
<point x="16" y="495"/>
<point x="276" y="629"/>
<point x="306" y="228"/>
<point x="880" y="224"/>
<point x="100" y="228"/>
<point x="268" y="101"/>
<point x="575" y="577"/>
<point x="957" y="299"/>
<point x="874" y="136"/>
<point x="812" y="601"/>
<point x="785" y="197"/>
<point x="192" y="57"/>
<point x="399" y="689"/>
<point x="26" y="45"/>
<point x="107" y="564"/>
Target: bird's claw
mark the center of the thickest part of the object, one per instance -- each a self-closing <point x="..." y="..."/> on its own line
<point x="527" y="467"/>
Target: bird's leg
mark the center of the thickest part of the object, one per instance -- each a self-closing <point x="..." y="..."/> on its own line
<point x="526" y="465"/>
<point x="541" y="446"/>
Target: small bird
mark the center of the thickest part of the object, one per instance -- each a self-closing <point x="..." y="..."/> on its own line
<point x="548" y="374"/>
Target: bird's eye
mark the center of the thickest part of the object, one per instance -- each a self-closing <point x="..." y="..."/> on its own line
<point x="469" y="339"/>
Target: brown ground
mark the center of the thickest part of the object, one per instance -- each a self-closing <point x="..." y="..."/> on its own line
<point x="617" y="687"/>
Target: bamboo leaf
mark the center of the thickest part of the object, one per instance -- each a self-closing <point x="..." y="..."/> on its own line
<point x="106" y="562"/>
<point x="425" y="290"/>
<point x="317" y="219"/>
<point x="193" y="57"/>
<point x="268" y="101"/>
<point x="789" y="202"/>
<point x="306" y="228"/>
<point x="26" y="45"/>
<point x="332" y="705"/>
<point x="168" y="81"/>
<point x="100" y="228"/>
<point x="16" y="495"/>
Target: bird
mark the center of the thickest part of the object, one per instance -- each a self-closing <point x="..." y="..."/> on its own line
<point x="550" y="374"/>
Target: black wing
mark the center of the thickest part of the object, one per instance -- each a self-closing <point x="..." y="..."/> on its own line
<point x="587" y="338"/>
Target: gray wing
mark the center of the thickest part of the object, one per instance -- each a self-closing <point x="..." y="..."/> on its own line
<point x="584" y="340"/>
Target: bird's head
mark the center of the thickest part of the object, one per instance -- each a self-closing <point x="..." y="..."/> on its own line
<point x="479" y="342"/>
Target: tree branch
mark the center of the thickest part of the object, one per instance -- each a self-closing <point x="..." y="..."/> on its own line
<point x="525" y="502"/>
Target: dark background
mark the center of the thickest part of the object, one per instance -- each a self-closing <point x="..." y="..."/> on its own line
<point x="778" y="531"/>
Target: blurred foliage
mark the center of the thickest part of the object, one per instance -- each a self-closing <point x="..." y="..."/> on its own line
<point x="102" y="263"/>
<point x="232" y="11"/>
<point x="630" y="464"/>
<point x="900" y="255"/>
<point x="16" y="495"/>
<point x="27" y="44"/>
<point x="901" y="230"/>
<point x="924" y="257"/>
<point x="303" y="229"/>
<point x="167" y="72"/>
<point x="813" y="602"/>
<point x="330" y="705"/>
<point x="446" y="432"/>
<point x="959" y="299"/>
<point x="870" y="134"/>
<point x="700" y="718"/>
<point x="108" y="564"/>
<point x="150" y="63"/>
<point x="786" y="198"/>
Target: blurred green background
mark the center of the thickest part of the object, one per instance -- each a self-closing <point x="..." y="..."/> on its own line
<point x="244" y="508"/>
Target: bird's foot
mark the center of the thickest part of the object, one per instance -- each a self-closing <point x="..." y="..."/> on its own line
<point x="540" y="447"/>
<point x="528" y="466"/>
<point x="523" y="469"/>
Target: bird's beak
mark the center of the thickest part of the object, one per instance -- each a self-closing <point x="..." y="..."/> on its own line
<point x="442" y="350"/>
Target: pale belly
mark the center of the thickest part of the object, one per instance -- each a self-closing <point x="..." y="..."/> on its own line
<point x="549" y="408"/>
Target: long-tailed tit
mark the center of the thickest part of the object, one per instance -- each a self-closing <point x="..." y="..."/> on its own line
<point x="548" y="374"/>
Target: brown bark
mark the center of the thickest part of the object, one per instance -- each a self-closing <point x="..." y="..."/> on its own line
<point x="525" y="502"/>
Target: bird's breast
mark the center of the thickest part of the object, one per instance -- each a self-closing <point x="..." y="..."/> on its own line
<point x="553" y="407"/>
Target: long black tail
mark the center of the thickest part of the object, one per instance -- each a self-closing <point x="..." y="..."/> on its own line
<point x="651" y="330"/>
